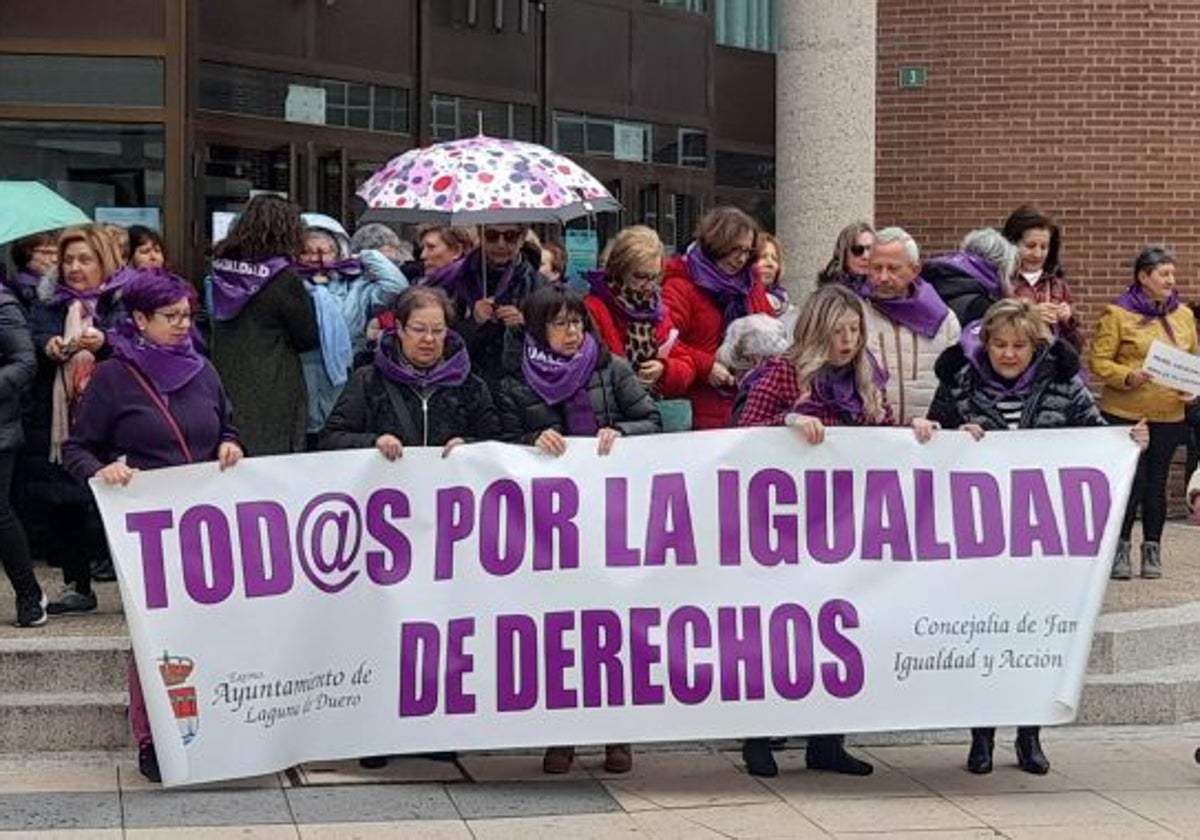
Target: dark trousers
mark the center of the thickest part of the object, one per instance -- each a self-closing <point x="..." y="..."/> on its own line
<point x="14" y="547"/>
<point x="74" y="540"/>
<point x="1150" y="481"/>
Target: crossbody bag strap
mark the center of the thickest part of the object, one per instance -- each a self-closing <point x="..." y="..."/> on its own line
<point x="157" y="400"/>
<point x="408" y="425"/>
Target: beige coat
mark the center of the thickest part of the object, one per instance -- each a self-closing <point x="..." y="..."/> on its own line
<point x="908" y="358"/>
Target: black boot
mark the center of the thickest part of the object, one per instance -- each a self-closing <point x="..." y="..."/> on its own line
<point x="828" y="752"/>
<point x="756" y="752"/>
<point x="979" y="759"/>
<point x="1030" y="757"/>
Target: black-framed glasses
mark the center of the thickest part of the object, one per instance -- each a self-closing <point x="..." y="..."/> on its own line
<point x="569" y="322"/>
<point x="174" y="319"/>
<point x="512" y="237"/>
<point x="860" y="250"/>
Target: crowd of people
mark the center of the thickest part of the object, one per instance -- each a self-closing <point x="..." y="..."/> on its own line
<point x="303" y="337"/>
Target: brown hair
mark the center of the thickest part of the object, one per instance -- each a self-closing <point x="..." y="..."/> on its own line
<point x="270" y="226"/>
<point x="1022" y="316"/>
<point x="421" y="297"/>
<point x="558" y="256"/>
<point x="454" y="237"/>
<point x="98" y="240"/>
<point x="847" y="238"/>
<point x="765" y="238"/>
<point x="22" y="249"/>
<point x="721" y="228"/>
<point x="119" y="237"/>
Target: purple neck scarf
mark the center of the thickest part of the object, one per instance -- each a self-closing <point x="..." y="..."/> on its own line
<point x="597" y="280"/>
<point x="451" y="370"/>
<point x="922" y="311"/>
<point x="348" y="268"/>
<point x="65" y="294"/>
<point x="461" y="279"/>
<point x="24" y="284"/>
<point x="990" y="381"/>
<point x="976" y="268"/>
<point x="564" y="379"/>
<point x="168" y="366"/>
<point x="234" y="282"/>
<point x="732" y="291"/>
<point x="834" y="391"/>
<point x="1136" y="300"/>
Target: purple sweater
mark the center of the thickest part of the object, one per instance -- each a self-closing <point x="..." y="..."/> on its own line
<point x="117" y="417"/>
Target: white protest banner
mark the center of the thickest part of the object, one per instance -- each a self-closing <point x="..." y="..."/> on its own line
<point x="1173" y="367"/>
<point x="716" y="584"/>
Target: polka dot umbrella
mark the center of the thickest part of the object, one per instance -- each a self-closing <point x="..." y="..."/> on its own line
<point x="483" y="181"/>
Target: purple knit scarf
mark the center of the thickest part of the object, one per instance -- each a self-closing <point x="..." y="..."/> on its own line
<point x="564" y="379"/>
<point x="451" y="370"/>
<point x="234" y="282"/>
<point x="1135" y="300"/>
<point x="922" y="311"/>
<point x="732" y="291"/>
<point x="168" y="366"/>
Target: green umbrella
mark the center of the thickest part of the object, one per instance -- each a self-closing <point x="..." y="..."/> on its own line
<point x="29" y="207"/>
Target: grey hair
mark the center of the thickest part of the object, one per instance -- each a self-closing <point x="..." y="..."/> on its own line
<point x="990" y="245"/>
<point x="374" y="236"/>
<point x="888" y="235"/>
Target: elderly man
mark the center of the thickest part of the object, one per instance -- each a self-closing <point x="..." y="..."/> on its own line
<point x="908" y="325"/>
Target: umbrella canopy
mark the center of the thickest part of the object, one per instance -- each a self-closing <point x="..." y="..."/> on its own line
<point x="483" y="180"/>
<point x="27" y="207"/>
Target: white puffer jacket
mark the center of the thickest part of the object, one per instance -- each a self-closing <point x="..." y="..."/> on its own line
<point x="908" y="358"/>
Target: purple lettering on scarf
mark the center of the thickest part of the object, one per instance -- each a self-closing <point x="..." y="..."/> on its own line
<point x="384" y="508"/>
<point x="200" y="565"/>
<point x="972" y="492"/>
<point x="420" y="657"/>
<point x="691" y="681"/>
<point x="1033" y="517"/>
<point x="669" y="526"/>
<point x="600" y="642"/>
<point x="617" y="551"/>
<point x="149" y="525"/>
<point x="1075" y="482"/>
<point x="729" y="517"/>
<point x="502" y="498"/>
<point x="774" y="537"/>
<point x="642" y="655"/>
<point x="459" y="663"/>
<point x="817" y="507"/>
<point x="793" y="669"/>
<point x="455" y="520"/>
<point x="928" y="545"/>
<point x="885" y="519"/>
<point x="555" y="504"/>
<point x="834" y="617"/>
<point x="264" y="579"/>
<point x="741" y="653"/>
<point x="559" y="658"/>
<point x="516" y="663"/>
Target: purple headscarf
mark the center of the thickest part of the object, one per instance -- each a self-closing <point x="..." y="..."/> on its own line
<point x="923" y="311"/>
<point x="732" y="291"/>
<point x="1135" y="300"/>
<point x="168" y="366"/>
<point x="452" y="369"/>
<point x="234" y="282"/>
<point x="564" y="379"/>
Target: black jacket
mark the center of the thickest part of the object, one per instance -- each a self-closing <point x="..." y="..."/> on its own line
<point x="17" y="368"/>
<point x="966" y="296"/>
<point x="1059" y="398"/>
<point x="619" y="400"/>
<point x="485" y="342"/>
<point x="372" y="405"/>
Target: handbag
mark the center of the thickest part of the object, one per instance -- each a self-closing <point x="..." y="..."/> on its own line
<point x="676" y="415"/>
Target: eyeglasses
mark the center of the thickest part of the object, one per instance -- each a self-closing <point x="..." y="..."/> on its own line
<point x="174" y="319"/>
<point x="858" y="249"/>
<point x="567" y="323"/>
<point x="744" y="253"/>
<point x="646" y="276"/>
<point x="422" y="331"/>
<point x="46" y="252"/>
<point x="512" y="237"/>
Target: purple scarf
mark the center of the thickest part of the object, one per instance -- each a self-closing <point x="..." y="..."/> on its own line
<point x="451" y="370"/>
<point x="564" y="379"/>
<point x="1136" y="300"/>
<point x="349" y="268"/>
<point x="168" y="366"/>
<point x="24" y="284"/>
<point x="922" y="311"/>
<point x="597" y="280"/>
<point x="976" y="268"/>
<point x="67" y="295"/>
<point x="835" y="391"/>
<point x="732" y="291"/>
<point x="234" y="282"/>
<point x="460" y="279"/>
<point x="990" y="381"/>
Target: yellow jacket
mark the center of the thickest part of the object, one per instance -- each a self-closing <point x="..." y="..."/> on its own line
<point x="1119" y="347"/>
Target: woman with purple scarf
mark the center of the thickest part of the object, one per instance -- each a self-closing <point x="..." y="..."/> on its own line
<point x="1010" y="373"/>
<point x="565" y="383"/>
<point x="154" y="403"/>
<point x="34" y="256"/>
<point x="705" y="289"/>
<point x="974" y="277"/>
<point x="263" y="319"/>
<point x="1146" y="312"/>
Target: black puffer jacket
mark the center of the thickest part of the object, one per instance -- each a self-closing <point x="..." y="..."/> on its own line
<point x="619" y="400"/>
<point x="17" y="368"/>
<point x="1059" y="398"/>
<point x="372" y="405"/>
<point x="485" y="342"/>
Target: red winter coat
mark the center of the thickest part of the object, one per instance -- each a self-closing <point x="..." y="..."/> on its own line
<point x="678" y="372"/>
<point x="698" y="319"/>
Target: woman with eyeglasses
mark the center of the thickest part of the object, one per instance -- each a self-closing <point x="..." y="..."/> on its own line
<point x="705" y="289"/>
<point x="626" y="306"/>
<point x="851" y="260"/>
<point x="488" y="288"/>
<point x="34" y="256"/>
<point x="565" y="383"/>
<point x="154" y="403"/>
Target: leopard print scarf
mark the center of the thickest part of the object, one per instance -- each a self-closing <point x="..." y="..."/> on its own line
<point x="641" y="339"/>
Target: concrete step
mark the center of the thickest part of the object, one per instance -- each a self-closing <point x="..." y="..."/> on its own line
<point x="61" y="722"/>
<point x="1146" y="639"/>
<point x="62" y="664"/>
<point x="1164" y="695"/>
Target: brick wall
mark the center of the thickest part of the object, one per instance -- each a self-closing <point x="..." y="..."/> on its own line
<point x="1089" y="109"/>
